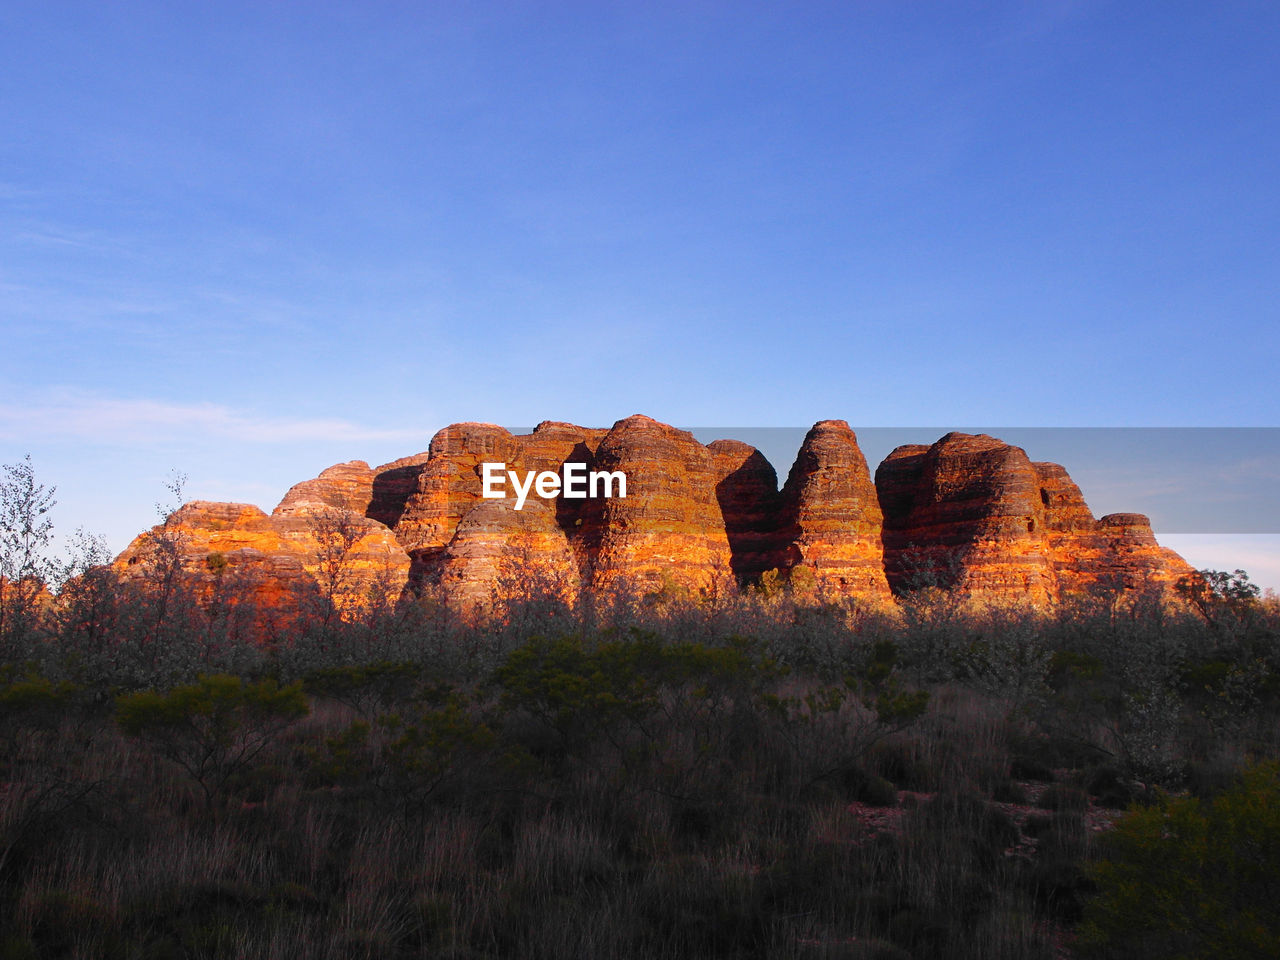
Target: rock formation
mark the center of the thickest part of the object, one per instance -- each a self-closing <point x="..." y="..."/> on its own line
<point x="448" y="485"/>
<point x="746" y="488"/>
<point x="499" y="555"/>
<point x="969" y="513"/>
<point x="965" y="513"/>
<point x="830" y="518"/>
<point x="344" y="486"/>
<point x="325" y="555"/>
<point x="668" y="534"/>
<point x="975" y="514"/>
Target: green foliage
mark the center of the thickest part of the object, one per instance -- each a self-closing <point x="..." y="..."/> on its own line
<point x="1190" y="879"/>
<point x="1066" y="666"/>
<point x="1210" y="589"/>
<point x="342" y="760"/>
<point x="583" y="691"/>
<point x="876" y="685"/>
<point x="408" y="758"/>
<point x="31" y="706"/>
<point x="30" y="696"/>
<point x="577" y="691"/>
<point x="213" y="728"/>
<point x="1228" y="602"/>
<point x="372" y="688"/>
<point x="895" y="706"/>
<point x="428" y="748"/>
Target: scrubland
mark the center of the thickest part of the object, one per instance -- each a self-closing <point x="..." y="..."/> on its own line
<point x="657" y="777"/>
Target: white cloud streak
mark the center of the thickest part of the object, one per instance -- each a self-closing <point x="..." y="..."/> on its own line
<point x="133" y="422"/>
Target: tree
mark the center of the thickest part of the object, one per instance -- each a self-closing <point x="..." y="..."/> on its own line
<point x="89" y="594"/>
<point x="164" y="556"/>
<point x="337" y="534"/>
<point x="1227" y="601"/>
<point x="26" y="531"/>
<point x="213" y="728"/>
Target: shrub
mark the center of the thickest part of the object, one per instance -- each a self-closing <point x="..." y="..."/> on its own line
<point x="213" y="728"/>
<point x="1193" y="879"/>
<point x="614" y="694"/>
<point x="368" y="689"/>
<point x="429" y="748"/>
<point x="862" y="786"/>
<point x="31" y="707"/>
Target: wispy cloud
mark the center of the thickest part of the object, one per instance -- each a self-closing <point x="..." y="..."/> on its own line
<point x="1250" y="469"/>
<point x="141" y="421"/>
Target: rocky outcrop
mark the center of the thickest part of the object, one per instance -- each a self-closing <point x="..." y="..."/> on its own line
<point x="830" y="520"/>
<point x="448" y="485"/>
<point x="379" y="493"/>
<point x="1117" y="554"/>
<point x="344" y="486"/>
<point x="327" y="555"/>
<point x="747" y="490"/>
<point x="667" y="536"/>
<point x="968" y="513"/>
<point x="965" y="514"/>
<point x="393" y="484"/>
<point x="974" y="514"/>
<point x="499" y="556"/>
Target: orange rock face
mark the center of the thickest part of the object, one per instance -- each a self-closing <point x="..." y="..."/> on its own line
<point x="448" y="486"/>
<point x="975" y="514"/>
<point x="830" y="521"/>
<point x="968" y="513"/>
<point x="1119" y="553"/>
<point x="277" y="561"/>
<point x="449" y="483"/>
<point x="344" y="486"/>
<point x="668" y="534"/>
<point x="499" y="555"/>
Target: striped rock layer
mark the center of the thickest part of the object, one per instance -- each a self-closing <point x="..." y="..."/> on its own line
<point x="969" y="513"/>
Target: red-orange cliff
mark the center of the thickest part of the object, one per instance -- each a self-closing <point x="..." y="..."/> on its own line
<point x="969" y="513"/>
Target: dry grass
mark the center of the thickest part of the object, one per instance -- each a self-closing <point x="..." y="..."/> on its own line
<point x="707" y="821"/>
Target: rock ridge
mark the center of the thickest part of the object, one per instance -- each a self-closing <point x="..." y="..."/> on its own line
<point x="968" y="513"/>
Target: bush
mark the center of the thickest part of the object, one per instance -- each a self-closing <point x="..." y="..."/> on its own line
<point x="1192" y="879"/>
<point x="861" y="786"/>
<point x="31" y="707"/>
<point x="213" y="728"/>
<point x="429" y="748"/>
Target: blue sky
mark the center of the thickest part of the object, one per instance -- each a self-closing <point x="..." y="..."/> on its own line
<point x="246" y="241"/>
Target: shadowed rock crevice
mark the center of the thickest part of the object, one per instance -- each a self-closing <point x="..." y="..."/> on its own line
<point x="750" y="503"/>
